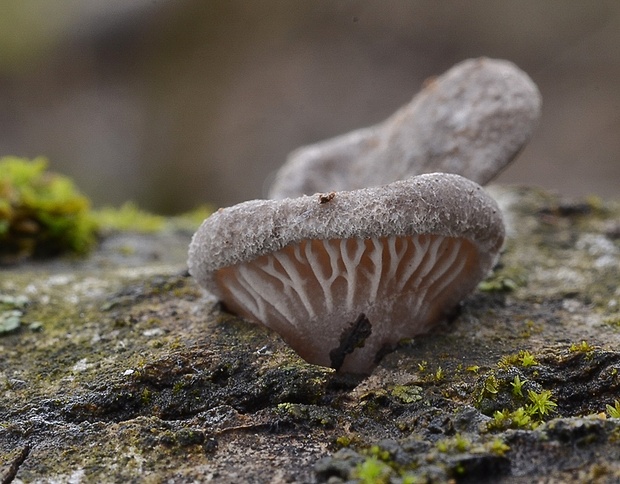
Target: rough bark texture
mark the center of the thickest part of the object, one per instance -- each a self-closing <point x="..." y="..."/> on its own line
<point x="122" y="370"/>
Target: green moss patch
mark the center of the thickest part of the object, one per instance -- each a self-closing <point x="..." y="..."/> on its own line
<point x="41" y="213"/>
<point x="129" y="217"/>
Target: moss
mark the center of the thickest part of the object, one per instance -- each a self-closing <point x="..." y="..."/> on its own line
<point x="347" y="440"/>
<point x="473" y="369"/>
<point x="517" y="386"/>
<point x="523" y="358"/>
<point x="613" y="411"/>
<point x="531" y="328"/>
<point x="513" y="400"/>
<point x="407" y="393"/>
<point x="517" y="419"/>
<point x="613" y="321"/>
<point x="541" y="403"/>
<point x="504" y="279"/>
<point x="41" y="213"/>
<point x="128" y="217"/>
<point x="312" y="415"/>
<point x="373" y="471"/>
<point x="449" y="458"/>
<point x="498" y="447"/>
<point x="458" y="443"/>
<point x="583" y="347"/>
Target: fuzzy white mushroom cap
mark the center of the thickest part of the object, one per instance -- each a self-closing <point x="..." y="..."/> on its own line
<point x="344" y="276"/>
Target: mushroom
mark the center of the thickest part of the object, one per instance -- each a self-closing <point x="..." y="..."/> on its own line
<point x="344" y="276"/>
<point x="473" y="120"/>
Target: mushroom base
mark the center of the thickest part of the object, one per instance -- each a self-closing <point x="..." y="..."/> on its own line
<point x="315" y="293"/>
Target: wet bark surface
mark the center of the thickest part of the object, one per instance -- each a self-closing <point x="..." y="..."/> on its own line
<point x="122" y="370"/>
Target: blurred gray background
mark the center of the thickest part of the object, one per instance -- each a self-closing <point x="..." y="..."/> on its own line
<point x="172" y="103"/>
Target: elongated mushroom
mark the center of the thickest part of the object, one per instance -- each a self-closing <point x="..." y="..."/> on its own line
<point x="472" y="121"/>
<point x="344" y="276"/>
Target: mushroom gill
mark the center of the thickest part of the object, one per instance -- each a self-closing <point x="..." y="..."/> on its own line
<point x="344" y="277"/>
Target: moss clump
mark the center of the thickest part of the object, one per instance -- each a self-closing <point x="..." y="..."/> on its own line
<point x="373" y="471"/>
<point x="407" y="393"/>
<point x="458" y="444"/>
<point x="530" y="416"/>
<point x="41" y="213"/>
<point x="613" y="412"/>
<point x="506" y="279"/>
<point x="523" y="359"/>
<point x="128" y="217"/>
<point x="583" y="347"/>
<point x="411" y="460"/>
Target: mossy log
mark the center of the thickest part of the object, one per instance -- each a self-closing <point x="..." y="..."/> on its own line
<point x="122" y="370"/>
